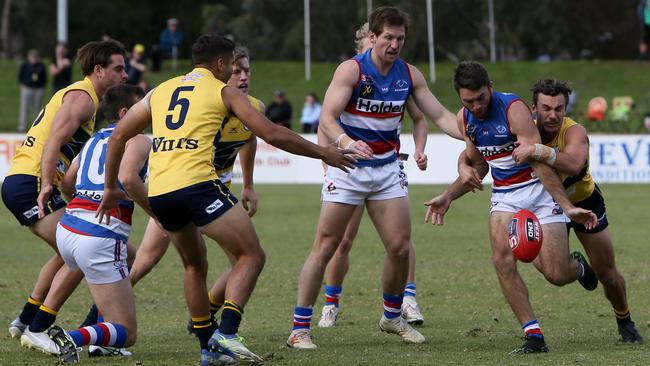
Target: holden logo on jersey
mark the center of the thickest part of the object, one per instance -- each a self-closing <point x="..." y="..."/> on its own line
<point x="489" y="151"/>
<point x="401" y="85"/>
<point x="380" y="106"/>
<point x="501" y="129"/>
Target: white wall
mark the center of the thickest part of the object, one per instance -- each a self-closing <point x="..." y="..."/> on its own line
<point x="613" y="159"/>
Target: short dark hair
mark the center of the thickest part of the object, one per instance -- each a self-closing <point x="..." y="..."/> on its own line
<point x="241" y="52"/>
<point x="387" y="15"/>
<point x="470" y="75"/>
<point x="551" y="87"/>
<point x="97" y="53"/>
<point x="208" y="48"/>
<point x="118" y="97"/>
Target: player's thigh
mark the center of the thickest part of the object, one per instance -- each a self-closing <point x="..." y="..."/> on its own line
<point x="554" y="252"/>
<point x="190" y="245"/>
<point x="116" y="302"/>
<point x="45" y="228"/>
<point x="334" y="219"/>
<point x="392" y="219"/>
<point x="499" y="221"/>
<point x="154" y="243"/>
<point x="599" y="248"/>
<point x="234" y="231"/>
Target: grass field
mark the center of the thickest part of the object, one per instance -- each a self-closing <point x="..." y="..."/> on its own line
<point x="467" y="319"/>
<point x="589" y="79"/>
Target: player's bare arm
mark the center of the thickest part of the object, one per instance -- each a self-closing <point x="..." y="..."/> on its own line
<point x="419" y="133"/>
<point x="523" y="126"/>
<point x="247" y="161"/>
<point x="77" y="108"/>
<point x="470" y="172"/>
<point x="336" y="98"/>
<point x="279" y="136"/>
<point x="431" y="107"/>
<point x="134" y="122"/>
<point x="135" y="157"/>
<point x="570" y="161"/>
<point x="69" y="180"/>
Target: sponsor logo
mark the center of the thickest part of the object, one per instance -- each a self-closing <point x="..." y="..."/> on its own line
<point x="377" y="106"/>
<point x="489" y="151"/>
<point x="93" y="195"/>
<point x="367" y="90"/>
<point x="31" y="212"/>
<point x="486" y="132"/>
<point x="384" y="89"/>
<point x="501" y="129"/>
<point x="331" y="187"/>
<point x="214" y="206"/>
<point x="512" y="232"/>
<point x="366" y="78"/>
<point x="530" y="230"/>
<point x="557" y="210"/>
<point x="162" y="144"/>
<point x="401" y="83"/>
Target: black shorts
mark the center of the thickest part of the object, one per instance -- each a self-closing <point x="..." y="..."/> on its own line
<point x="595" y="203"/>
<point x="19" y="193"/>
<point x="200" y="204"/>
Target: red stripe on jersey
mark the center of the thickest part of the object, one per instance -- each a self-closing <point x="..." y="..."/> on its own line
<point x="125" y="214"/>
<point x="522" y="177"/>
<point x="497" y="156"/>
<point x="380" y="147"/>
<point x="106" y="335"/>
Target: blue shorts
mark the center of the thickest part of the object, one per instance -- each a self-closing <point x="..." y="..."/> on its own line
<point x="595" y="203"/>
<point x="200" y="204"/>
<point x="19" y="193"/>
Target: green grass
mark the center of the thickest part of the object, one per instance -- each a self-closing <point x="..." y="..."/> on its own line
<point x="467" y="319"/>
<point x="589" y="79"/>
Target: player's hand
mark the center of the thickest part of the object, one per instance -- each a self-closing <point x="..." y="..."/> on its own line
<point x="109" y="204"/>
<point x="342" y="159"/>
<point x="249" y="201"/>
<point x="523" y="153"/>
<point x="421" y="160"/>
<point x="470" y="177"/>
<point x="360" y="149"/>
<point x="582" y="216"/>
<point x="437" y="207"/>
<point x="44" y="196"/>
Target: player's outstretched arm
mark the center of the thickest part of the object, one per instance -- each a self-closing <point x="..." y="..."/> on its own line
<point x="431" y="107"/>
<point x="419" y="133"/>
<point x="281" y="137"/>
<point x="570" y="161"/>
<point x="135" y="157"/>
<point x="77" y="108"/>
<point x="523" y="126"/>
<point x="134" y="122"/>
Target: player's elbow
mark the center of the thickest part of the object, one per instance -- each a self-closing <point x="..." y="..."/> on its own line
<point x="130" y="182"/>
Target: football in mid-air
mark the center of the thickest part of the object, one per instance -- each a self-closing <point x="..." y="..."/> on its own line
<point x="525" y="236"/>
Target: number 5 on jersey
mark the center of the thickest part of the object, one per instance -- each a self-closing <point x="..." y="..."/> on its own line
<point x="184" y="103"/>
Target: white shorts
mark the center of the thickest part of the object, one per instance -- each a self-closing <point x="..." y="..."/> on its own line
<point x="365" y="183"/>
<point x="532" y="197"/>
<point x="102" y="260"/>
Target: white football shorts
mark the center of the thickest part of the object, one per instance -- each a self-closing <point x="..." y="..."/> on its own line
<point x="365" y="183"/>
<point x="102" y="260"/>
<point x="532" y="197"/>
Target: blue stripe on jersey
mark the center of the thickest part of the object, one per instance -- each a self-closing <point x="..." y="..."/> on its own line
<point x="89" y="228"/>
<point x="366" y="135"/>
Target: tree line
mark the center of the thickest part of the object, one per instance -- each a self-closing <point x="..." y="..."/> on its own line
<point x="273" y="29"/>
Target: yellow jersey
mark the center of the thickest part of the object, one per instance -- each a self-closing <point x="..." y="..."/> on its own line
<point x="186" y="112"/>
<point x="28" y="157"/>
<point x="578" y="187"/>
<point x="232" y="136"/>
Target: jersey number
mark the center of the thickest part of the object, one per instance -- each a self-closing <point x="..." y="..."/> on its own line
<point x="184" y="103"/>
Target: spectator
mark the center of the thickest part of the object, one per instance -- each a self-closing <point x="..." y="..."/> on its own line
<point x="32" y="78"/>
<point x="61" y="67"/>
<point x="171" y="40"/>
<point x="135" y="65"/>
<point x="279" y="111"/>
<point x="310" y="114"/>
<point x="644" y="17"/>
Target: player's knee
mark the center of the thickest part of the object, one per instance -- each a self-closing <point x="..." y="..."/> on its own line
<point x="324" y="250"/>
<point x="609" y="276"/>
<point x="345" y="246"/>
<point x="504" y="264"/>
<point x="399" y="252"/>
<point x="197" y="265"/>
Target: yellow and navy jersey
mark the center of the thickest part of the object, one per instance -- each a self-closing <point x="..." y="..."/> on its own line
<point x="232" y="136"/>
<point x="28" y="157"/>
<point x="580" y="186"/>
<point x="186" y="112"/>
